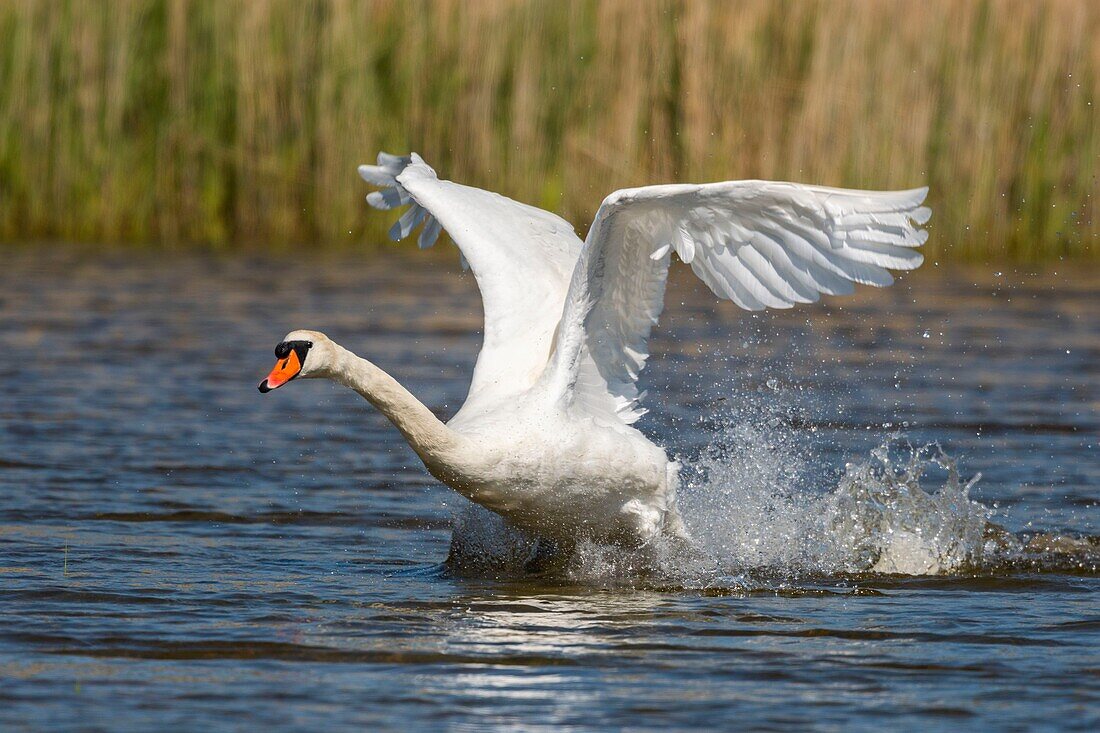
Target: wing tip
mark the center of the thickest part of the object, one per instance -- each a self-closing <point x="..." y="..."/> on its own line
<point x="389" y="168"/>
<point x="376" y="175"/>
<point x="916" y="262"/>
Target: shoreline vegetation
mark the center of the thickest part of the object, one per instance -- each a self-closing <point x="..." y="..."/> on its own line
<point x="229" y="121"/>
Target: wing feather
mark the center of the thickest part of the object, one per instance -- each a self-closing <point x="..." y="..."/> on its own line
<point x="521" y="257"/>
<point x="760" y="244"/>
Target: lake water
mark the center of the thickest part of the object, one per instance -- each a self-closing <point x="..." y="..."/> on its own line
<point x="178" y="551"/>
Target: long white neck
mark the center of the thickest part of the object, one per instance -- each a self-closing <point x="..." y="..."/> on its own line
<point x="445" y="453"/>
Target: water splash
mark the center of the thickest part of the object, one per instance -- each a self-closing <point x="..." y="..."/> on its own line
<point x="884" y="521"/>
<point x="749" y="502"/>
<point x="747" y="512"/>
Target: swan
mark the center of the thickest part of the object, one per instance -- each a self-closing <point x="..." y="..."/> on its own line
<point x="545" y="437"/>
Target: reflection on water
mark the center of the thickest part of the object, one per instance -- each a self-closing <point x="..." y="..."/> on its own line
<point x="177" y="550"/>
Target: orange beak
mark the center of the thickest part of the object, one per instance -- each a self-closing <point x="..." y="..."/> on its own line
<point x="284" y="371"/>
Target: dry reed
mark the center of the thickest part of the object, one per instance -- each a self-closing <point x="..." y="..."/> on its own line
<point x="231" y="120"/>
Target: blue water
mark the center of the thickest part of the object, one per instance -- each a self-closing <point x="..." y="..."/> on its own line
<point x="178" y="551"/>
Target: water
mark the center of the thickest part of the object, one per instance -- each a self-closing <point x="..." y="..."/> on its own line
<point x="179" y="551"/>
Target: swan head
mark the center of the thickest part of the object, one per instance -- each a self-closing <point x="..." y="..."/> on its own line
<point x="301" y="354"/>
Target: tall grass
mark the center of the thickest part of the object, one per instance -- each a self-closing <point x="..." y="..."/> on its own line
<point x="236" y="120"/>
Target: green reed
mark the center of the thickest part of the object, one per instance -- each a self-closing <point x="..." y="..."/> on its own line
<point x="230" y="121"/>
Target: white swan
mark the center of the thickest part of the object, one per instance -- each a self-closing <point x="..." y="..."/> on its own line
<point x="544" y="438"/>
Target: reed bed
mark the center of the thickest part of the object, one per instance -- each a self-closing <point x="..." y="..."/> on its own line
<point x="230" y="121"/>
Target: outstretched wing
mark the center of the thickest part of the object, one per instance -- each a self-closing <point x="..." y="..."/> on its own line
<point x="760" y="244"/>
<point x="522" y="258"/>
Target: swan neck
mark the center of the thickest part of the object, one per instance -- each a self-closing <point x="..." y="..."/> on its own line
<point x="440" y="447"/>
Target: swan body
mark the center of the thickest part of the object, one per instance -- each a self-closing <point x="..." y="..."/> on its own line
<point x="545" y="437"/>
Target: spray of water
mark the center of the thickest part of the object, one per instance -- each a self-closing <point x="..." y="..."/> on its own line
<point x="757" y="518"/>
<point x="748" y="513"/>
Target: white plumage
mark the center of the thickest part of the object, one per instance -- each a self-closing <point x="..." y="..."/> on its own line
<point x="544" y="437"/>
